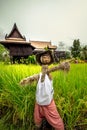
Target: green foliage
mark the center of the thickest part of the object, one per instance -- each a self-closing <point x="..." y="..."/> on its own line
<point x="17" y="102"/>
<point x="75" y="49"/>
<point x="68" y="55"/>
<point x="84" y="53"/>
<point x="4" y="54"/>
<point x="31" y="59"/>
<point x="2" y="49"/>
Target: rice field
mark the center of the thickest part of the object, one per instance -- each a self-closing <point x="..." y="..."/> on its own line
<point x="17" y="102"/>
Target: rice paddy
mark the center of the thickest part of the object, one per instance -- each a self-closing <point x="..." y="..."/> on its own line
<point x="17" y="102"/>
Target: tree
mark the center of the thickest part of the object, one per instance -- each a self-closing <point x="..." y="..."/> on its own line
<point x="76" y="48"/>
<point x="84" y="53"/>
<point x="68" y="55"/>
<point x="61" y="46"/>
<point x="4" y="54"/>
<point x="2" y="49"/>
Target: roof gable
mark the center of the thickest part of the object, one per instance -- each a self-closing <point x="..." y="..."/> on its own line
<point x="15" y="33"/>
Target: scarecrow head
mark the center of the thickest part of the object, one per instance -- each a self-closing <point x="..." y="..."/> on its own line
<point x="45" y="58"/>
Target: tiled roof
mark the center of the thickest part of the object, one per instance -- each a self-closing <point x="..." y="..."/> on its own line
<point x="41" y="44"/>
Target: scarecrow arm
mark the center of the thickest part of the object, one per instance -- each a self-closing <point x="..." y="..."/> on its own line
<point x="65" y="66"/>
<point x="29" y="79"/>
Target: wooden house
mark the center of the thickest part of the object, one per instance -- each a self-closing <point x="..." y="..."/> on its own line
<point x="19" y="48"/>
<point x="17" y="45"/>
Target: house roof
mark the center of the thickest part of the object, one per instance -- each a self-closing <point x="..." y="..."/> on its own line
<point x="15" y="41"/>
<point x="42" y="44"/>
<point x="15" y="33"/>
<point x="15" y="37"/>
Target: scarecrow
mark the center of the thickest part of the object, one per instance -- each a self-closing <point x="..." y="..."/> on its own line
<point x="46" y="115"/>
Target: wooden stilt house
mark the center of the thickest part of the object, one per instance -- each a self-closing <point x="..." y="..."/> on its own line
<point x="19" y="48"/>
<point x="17" y="45"/>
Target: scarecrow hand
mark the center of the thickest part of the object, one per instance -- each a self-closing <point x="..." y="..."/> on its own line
<point x="64" y="66"/>
<point x="24" y="81"/>
<point x="29" y="80"/>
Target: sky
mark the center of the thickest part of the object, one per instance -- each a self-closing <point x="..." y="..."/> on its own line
<point x="46" y="20"/>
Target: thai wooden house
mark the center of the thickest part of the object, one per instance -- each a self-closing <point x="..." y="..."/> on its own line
<point x="17" y="45"/>
<point x="19" y="48"/>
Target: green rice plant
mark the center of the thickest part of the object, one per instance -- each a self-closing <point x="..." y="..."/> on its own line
<point x="71" y="95"/>
<point x="17" y="102"/>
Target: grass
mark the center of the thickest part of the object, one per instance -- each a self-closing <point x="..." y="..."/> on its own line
<point x="17" y="102"/>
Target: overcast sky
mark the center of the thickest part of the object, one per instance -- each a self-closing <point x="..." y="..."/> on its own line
<point x="55" y="20"/>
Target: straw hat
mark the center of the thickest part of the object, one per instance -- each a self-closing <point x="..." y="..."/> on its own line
<point x="45" y="58"/>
